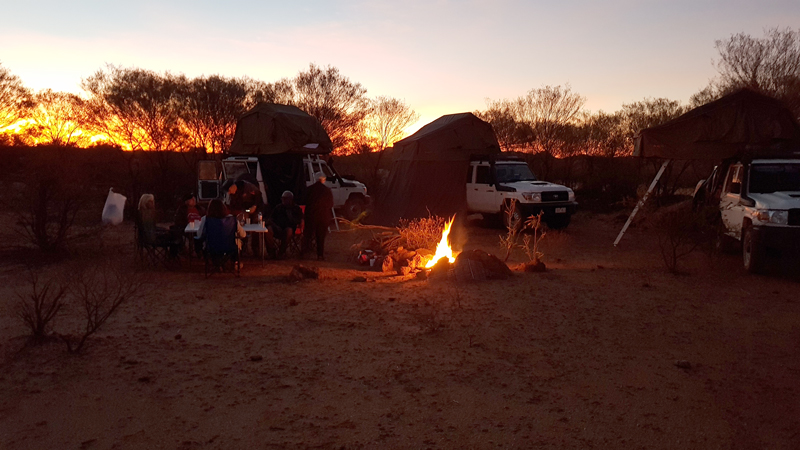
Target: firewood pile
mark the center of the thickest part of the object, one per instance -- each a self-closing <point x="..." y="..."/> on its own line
<point x="386" y="251"/>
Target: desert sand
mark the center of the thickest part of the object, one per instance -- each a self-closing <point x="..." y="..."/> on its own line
<point x="606" y="349"/>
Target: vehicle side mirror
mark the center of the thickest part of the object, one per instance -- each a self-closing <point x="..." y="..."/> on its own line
<point x="736" y="188"/>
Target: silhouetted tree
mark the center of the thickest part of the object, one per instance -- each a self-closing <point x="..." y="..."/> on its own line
<point x="511" y="134"/>
<point x="645" y="114"/>
<point x="388" y="120"/>
<point x="604" y="135"/>
<point x="210" y="107"/>
<point x="547" y="111"/>
<point x="60" y="119"/>
<point x="339" y="104"/>
<point x="770" y="65"/>
<point x="15" y="98"/>
<point x="137" y="108"/>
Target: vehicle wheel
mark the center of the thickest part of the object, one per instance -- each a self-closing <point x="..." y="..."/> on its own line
<point x="752" y="254"/>
<point x="512" y="216"/>
<point x="557" y="222"/>
<point x="353" y="208"/>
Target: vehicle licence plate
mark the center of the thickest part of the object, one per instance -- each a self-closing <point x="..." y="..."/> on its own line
<point x="561" y="210"/>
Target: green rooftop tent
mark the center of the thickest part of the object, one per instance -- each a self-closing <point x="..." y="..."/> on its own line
<point x="270" y="129"/>
<point x="743" y="123"/>
<point x="430" y="168"/>
<point x="280" y="136"/>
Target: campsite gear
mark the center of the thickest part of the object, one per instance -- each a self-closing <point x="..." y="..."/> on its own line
<point x="744" y="124"/>
<point x="366" y="257"/>
<point x="114" y="207"/>
<point x="277" y="148"/>
<point x="427" y="176"/>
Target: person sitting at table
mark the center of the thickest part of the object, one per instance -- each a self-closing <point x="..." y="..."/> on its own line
<point x="187" y="212"/>
<point x="217" y="211"/>
<point x="284" y="220"/>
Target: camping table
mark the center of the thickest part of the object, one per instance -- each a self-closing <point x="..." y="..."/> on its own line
<point x="248" y="228"/>
<point x="191" y="230"/>
<point x="261" y="230"/>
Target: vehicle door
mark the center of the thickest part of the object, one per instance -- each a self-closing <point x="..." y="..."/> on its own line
<point x="731" y="209"/>
<point x="207" y="180"/>
<point x="483" y="191"/>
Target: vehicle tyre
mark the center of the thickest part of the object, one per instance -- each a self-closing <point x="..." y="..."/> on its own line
<point x="558" y="222"/>
<point x="724" y="243"/>
<point x="353" y="208"/>
<point x="753" y="254"/>
<point x="512" y="216"/>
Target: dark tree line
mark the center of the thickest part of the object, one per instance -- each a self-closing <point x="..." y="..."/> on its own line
<point x="145" y="110"/>
<point x="140" y="109"/>
<point x="550" y="120"/>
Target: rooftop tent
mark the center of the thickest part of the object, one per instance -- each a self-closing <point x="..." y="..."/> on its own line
<point x="744" y="122"/>
<point x="430" y="168"/>
<point x="270" y="129"/>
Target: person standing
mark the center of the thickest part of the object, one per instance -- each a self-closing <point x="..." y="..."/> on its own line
<point x="318" y="215"/>
<point x="243" y="198"/>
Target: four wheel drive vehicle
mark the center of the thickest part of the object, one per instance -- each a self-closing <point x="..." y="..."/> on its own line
<point x="508" y="189"/>
<point x="759" y="205"/>
<point x="350" y="197"/>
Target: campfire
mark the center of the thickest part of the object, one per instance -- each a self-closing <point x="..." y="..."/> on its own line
<point x="388" y="251"/>
<point x="443" y="249"/>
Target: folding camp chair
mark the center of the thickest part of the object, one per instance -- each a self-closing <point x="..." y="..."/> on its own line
<point x="152" y="247"/>
<point x="220" y="246"/>
<point x="295" y="246"/>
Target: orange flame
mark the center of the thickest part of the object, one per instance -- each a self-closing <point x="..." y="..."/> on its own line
<point x="443" y="248"/>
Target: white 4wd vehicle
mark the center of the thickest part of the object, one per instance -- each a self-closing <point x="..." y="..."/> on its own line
<point x="759" y="204"/>
<point x="509" y="189"/>
<point x="349" y="197"/>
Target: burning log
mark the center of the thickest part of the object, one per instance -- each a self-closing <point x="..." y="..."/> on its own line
<point x="387" y="251"/>
<point x="441" y="269"/>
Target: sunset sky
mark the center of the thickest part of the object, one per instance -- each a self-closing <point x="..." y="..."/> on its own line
<point x="439" y="56"/>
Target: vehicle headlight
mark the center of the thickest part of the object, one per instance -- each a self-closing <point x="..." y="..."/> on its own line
<point x="532" y="196"/>
<point x="571" y="195"/>
<point x="773" y="216"/>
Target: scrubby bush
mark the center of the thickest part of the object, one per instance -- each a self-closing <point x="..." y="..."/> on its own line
<point x="425" y="232"/>
<point x="39" y="306"/>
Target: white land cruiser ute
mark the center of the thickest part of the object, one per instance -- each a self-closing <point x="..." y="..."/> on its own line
<point x="349" y="196"/>
<point x="759" y="204"/>
<point x="509" y="190"/>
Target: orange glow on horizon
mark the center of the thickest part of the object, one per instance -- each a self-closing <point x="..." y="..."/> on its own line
<point x="21" y="125"/>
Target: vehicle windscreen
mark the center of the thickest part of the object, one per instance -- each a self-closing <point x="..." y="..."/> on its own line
<point x="511" y="173"/>
<point x="767" y="178"/>
<point x="235" y="169"/>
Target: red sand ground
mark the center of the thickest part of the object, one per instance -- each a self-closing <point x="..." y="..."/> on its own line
<point x="582" y="356"/>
